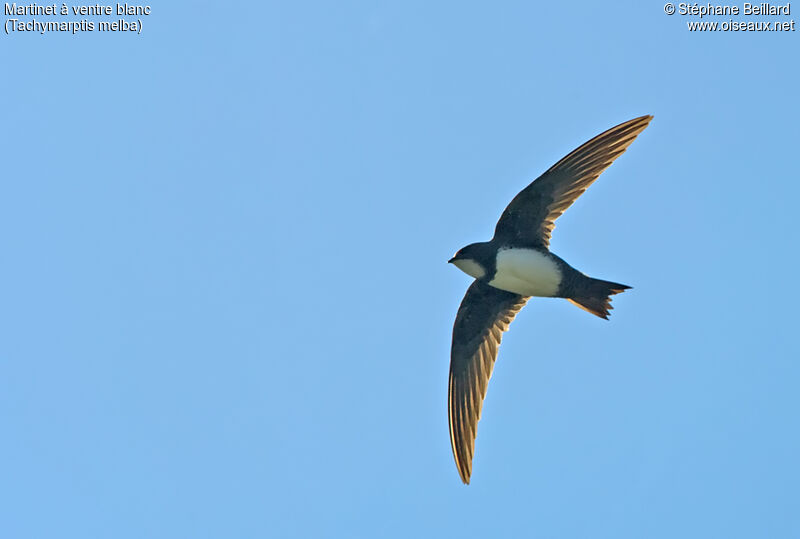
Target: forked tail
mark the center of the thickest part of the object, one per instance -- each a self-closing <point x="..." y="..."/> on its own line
<point x="595" y="296"/>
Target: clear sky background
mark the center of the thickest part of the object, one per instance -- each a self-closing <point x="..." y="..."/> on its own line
<point x="226" y="309"/>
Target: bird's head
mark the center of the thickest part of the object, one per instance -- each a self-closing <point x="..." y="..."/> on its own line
<point x="469" y="260"/>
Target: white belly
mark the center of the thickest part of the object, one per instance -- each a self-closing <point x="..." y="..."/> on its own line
<point x="527" y="272"/>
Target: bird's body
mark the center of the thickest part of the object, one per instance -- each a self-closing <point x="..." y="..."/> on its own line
<point x="535" y="271"/>
<point x="515" y="265"/>
<point x="528" y="272"/>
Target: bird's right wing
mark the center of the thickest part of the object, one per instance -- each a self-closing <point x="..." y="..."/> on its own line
<point x="485" y="313"/>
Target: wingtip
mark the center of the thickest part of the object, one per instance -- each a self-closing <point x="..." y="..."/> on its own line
<point x="463" y="472"/>
<point x="464" y="468"/>
<point x="639" y="120"/>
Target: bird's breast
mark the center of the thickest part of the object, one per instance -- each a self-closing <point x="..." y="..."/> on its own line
<point x="526" y="271"/>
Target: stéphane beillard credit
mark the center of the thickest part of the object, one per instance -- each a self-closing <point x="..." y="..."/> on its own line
<point x="764" y="8"/>
<point x="52" y="9"/>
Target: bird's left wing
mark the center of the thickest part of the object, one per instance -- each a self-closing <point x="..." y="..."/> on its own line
<point x="530" y="217"/>
<point x="485" y="313"/>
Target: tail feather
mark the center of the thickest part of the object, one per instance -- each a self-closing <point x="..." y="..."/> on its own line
<point x="596" y="297"/>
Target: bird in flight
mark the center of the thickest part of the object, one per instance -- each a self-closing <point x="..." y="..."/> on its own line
<point x="515" y="265"/>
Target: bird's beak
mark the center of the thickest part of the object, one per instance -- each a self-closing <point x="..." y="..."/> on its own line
<point x="451" y="260"/>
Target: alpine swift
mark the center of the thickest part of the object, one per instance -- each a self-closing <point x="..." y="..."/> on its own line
<point x="515" y="265"/>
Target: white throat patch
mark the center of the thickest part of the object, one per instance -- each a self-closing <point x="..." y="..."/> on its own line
<point x="527" y="272"/>
<point x="470" y="267"/>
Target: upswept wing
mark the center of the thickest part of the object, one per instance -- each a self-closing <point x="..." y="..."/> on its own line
<point x="530" y="218"/>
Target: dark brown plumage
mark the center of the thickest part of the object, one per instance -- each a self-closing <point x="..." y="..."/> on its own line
<point x="471" y="361"/>
<point x="486" y="312"/>
<point x="530" y="217"/>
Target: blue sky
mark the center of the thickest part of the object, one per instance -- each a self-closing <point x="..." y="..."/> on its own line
<point x="226" y="305"/>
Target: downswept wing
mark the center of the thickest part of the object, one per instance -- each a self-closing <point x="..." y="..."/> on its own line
<point x="530" y="218"/>
<point x="485" y="313"/>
